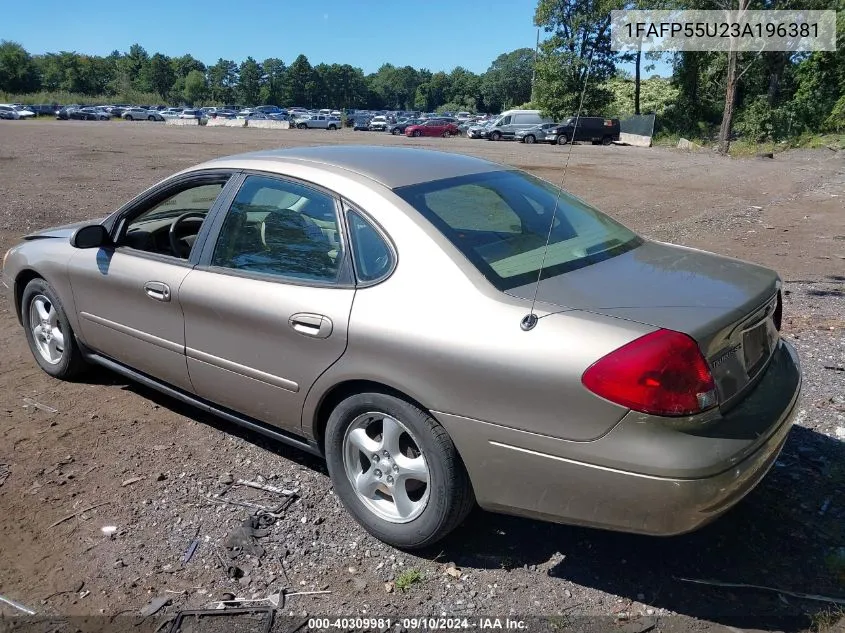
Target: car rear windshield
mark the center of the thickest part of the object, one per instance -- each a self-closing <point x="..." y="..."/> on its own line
<point x="500" y="221"/>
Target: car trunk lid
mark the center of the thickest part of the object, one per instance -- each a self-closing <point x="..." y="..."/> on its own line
<point x="730" y="307"/>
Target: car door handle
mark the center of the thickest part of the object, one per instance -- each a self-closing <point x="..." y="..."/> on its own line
<point x="157" y="290"/>
<point x="309" y="324"/>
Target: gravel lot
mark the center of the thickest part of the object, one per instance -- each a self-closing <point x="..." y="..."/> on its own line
<point x="788" y="213"/>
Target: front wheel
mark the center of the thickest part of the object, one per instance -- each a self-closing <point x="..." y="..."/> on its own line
<point x="561" y="139"/>
<point x="48" y="332"/>
<point x="417" y="133"/>
<point x="446" y="134"/>
<point x="396" y="470"/>
<point x="129" y="118"/>
<point x="396" y="131"/>
<point x="495" y="136"/>
<point x="529" y="138"/>
<point x="301" y="126"/>
<point x="332" y="127"/>
<point x="151" y="118"/>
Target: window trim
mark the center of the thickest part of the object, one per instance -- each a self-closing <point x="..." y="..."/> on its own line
<point x="349" y="207"/>
<point x="345" y="274"/>
<point x="116" y="223"/>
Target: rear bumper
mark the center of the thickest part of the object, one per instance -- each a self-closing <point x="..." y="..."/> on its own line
<point x="617" y="481"/>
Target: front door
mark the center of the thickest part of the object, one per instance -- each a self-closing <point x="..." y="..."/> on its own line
<point x="267" y="309"/>
<point x="127" y="297"/>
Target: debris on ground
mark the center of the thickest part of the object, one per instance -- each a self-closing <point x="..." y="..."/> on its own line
<point x="154" y="606"/>
<point x="262" y="618"/>
<point x="783" y="592"/>
<point x="4" y="473"/>
<point x="16" y="605"/>
<point x="130" y="481"/>
<point x="29" y="402"/>
<point x="76" y="514"/>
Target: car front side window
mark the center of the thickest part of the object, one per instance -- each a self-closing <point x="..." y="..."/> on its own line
<point x="183" y="211"/>
<point x="281" y="228"/>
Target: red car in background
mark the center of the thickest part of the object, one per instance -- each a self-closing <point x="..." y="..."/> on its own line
<point x="433" y="127"/>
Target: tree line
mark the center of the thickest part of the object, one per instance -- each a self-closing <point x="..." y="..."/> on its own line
<point x="187" y="80"/>
<point x="766" y="96"/>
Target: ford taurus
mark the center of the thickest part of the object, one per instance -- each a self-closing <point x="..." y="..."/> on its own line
<point x="445" y="330"/>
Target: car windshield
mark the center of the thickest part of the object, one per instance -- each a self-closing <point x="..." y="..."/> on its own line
<point x="500" y="222"/>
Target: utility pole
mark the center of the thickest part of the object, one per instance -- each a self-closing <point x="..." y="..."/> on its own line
<point x="534" y="70"/>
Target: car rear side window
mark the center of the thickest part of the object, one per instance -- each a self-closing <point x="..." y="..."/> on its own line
<point x="371" y="254"/>
<point x="500" y="221"/>
<point x="282" y="228"/>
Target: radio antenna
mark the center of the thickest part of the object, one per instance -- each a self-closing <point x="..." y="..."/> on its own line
<point x="530" y="320"/>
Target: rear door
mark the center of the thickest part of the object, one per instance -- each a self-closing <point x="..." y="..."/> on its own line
<point x="267" y="310"/>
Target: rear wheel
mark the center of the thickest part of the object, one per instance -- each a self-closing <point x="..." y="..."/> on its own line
<point x="128" y="117"/>
<point x="606" y="140"/>
<point x="529" y="138"/>
<point x="396" y="470"/>
<point x="48" y="331"/>
<point x="151" y="118"/>
<point x="301" y="126"/>
<point x="332" y="127"/>
<point x="396" y="131"/>
<point x="446" y="134"/>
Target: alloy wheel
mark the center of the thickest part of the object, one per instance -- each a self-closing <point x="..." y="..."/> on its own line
<point x="386" y="467"/>
<point x="46" y="329"/>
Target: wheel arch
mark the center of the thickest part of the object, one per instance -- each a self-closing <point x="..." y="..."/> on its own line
<point x="316" y="425"/>
<point x="21" y="280"/>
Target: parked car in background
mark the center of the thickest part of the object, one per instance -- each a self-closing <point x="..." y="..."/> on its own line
<point x="14" y="111"/>
<point x="478" y="130"/>
<point x="361" y="123"/>
<point x="141" y="114"/>
<point x="192" y="113"/>
<point x="319" y="122"/>
<point x="379" y="123"/>
<point x="171" y="113"/>
<point x="536" y="134"/>
<point x="45" y="109"/>
<point x="510" y="122"/>
<point x="403" y="124"/>
<point x="433" y="127"/>
<point x="77" y="113"/>
<point x="593" y="129"/>
<point x="99" y="113"/>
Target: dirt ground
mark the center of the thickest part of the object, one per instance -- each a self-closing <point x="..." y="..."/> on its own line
<point x="104" y="453"/>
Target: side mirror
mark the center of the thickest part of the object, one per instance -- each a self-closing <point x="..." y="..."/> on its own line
<point x="90" y="236"/>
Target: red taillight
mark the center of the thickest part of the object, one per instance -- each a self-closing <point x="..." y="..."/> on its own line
<point x="661" y="373"/>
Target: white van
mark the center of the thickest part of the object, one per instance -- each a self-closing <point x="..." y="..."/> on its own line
<point x="510" y="122"/>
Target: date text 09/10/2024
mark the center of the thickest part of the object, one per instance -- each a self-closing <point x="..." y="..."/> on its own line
<point x="417" y="624"/>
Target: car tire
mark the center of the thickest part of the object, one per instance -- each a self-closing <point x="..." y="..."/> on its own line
<point x="332" y="127"/>
<point x="607" y="140"/>
<point x="530" y="139"/>
<point x="495" y="136"/>
<point x="396" y="131"/>
<point x="151" y="118"/>
<point x="59" y="357"/>
<point x="129" y="118"/>
<point x="417" y="133"/>
<point x="430" y="510"/>
<point x="446" y="134"/>
<point x="561" y="139"/>
<point x="301" y="126"/>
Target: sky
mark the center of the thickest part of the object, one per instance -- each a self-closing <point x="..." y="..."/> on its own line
<point x="437" y="35"/>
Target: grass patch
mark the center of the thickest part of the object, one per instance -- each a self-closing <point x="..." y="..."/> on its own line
<point x="824" y="621"/>
<point x="408" y="579"/>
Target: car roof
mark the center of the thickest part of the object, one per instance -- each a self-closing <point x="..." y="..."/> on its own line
<point x="391" y="166"/>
